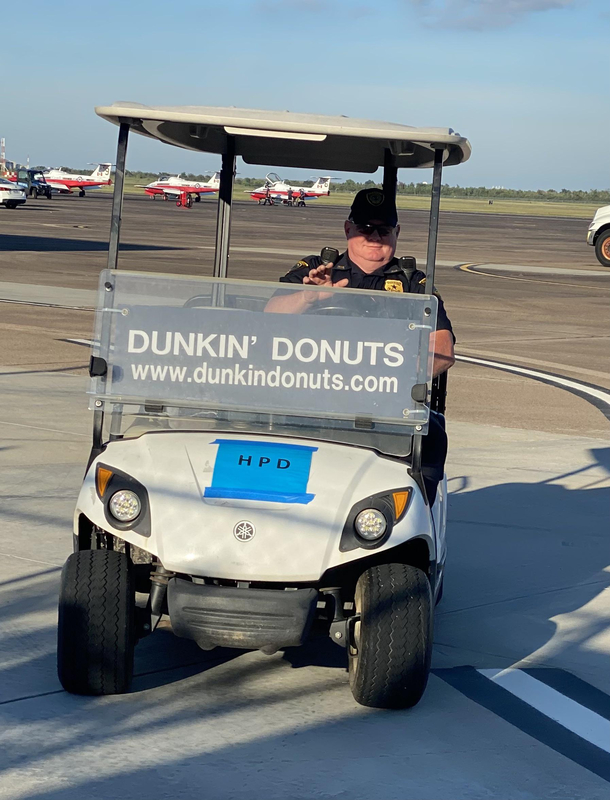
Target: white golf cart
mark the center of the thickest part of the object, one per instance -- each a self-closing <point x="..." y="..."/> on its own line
<point x="257" y="475"/>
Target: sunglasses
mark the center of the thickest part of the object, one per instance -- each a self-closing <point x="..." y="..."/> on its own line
<point x="369" y="229"/>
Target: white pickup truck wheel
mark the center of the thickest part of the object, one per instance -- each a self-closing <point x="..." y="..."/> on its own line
<point x="602" y="248"/>
<point x="390" y="662"/>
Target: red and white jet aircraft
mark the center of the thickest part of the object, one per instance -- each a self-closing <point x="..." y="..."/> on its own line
<point x="64" y="182"/>
<point x="181" y="190"/>
<point x="278" y="189"/>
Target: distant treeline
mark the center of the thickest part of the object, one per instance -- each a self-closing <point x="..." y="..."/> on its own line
<point x="416" y="189"/>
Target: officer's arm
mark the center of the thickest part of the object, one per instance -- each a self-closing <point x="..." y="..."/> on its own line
<point x="299" y="302"/>
<point x="293" y="303"/>
<point x="444" y="356"/>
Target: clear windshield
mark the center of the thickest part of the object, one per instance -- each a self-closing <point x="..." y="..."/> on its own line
<point x="187" y="353"/>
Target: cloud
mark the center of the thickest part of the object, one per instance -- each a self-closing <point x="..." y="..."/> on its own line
<point x="483" y="14"/>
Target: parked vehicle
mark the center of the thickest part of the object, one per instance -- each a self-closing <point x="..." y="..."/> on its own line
<point x="33" y="183"/>
<point x="598" y="235"/>
<point x="11" y="195"/>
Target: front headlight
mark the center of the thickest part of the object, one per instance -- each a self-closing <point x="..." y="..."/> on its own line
<point x="370" y="524"/>
<point x="125" y="505"/>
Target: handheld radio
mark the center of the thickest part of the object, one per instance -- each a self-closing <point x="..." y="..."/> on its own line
<point x="408" y="265"/>
<point x="329" y="255"/>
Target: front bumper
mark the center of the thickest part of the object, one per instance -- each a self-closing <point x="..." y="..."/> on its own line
<point x="590" y="237"/>
<point x="250" y="619"/>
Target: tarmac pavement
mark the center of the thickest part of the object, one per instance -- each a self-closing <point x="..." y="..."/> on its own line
<point x="518" y="703"/>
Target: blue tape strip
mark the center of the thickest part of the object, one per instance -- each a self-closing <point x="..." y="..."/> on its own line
<point x="270" y="497"/>
<point x="259" y="470"/>
<point x="264" y="445"/>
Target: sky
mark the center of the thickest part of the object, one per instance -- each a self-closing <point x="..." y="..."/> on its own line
<point x="527" y="81"/>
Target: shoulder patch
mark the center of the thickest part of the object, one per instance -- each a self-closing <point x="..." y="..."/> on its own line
<point x="299" y="265"/>
<point x="435" y="291"/>
<point x="393" y="286"/>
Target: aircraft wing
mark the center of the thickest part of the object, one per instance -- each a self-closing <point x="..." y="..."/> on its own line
<point x="173" y="191"/>
<point x="57" y="187"/>
<point x="168" y="190"/>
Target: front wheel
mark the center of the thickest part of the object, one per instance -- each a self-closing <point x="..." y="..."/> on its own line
<point x="602" y="248"/>
<point x="96" y="629"/>
<point x="389" y="656"/>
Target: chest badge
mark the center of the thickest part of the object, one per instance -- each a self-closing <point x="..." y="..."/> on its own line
<point x="393" y="286"/>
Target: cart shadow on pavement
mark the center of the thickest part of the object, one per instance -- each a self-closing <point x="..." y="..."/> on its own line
<point x="527" y="563"/>
<point x="523" y="557"/>
<point x="45" y="244"/>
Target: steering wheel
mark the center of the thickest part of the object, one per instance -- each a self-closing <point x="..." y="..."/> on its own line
<point x="365" y="306"/>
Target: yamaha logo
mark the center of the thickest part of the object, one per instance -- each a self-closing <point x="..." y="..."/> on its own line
<point x="244" y="531"/>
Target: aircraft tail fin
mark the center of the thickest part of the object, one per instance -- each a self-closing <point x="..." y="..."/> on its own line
<point x="101" y="172"/>
<point x="214" y="181"/>
<point x="322" y="185"/>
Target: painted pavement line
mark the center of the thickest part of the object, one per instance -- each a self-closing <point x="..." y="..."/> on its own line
<point x="509" y="706"/>
<point x="572" y="273"/>
<point x="39" y="428"/>
<point x="594" y="392"/>
<point x="571" y="715"/>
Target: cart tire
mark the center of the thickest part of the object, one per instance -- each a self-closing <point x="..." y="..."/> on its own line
<point x="390" y="667"/>
<point x="10" y="204"/>
<point x="49" y="195"/>
<point x="602" y="248"/>
<point x="96" y="630"/>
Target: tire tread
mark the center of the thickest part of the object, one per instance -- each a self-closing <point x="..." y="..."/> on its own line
<point x="396" y="637"/>
<point x="96" y="623"/>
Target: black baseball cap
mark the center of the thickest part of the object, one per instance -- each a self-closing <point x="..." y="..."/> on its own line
<point x="371" y="204"/>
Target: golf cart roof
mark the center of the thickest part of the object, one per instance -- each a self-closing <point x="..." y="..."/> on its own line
<point x="287" y="139"/>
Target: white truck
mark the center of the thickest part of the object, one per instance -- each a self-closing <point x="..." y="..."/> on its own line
<point x="598" y="235"/>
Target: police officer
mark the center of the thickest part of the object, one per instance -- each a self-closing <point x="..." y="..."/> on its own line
<point x="369" y="263"/>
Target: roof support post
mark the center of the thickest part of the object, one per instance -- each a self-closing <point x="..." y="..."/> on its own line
<point x="390" y="173"/>
<point x="117" y="197"/>
<point x="223" y="220"/>
<point x="435" y="205"/>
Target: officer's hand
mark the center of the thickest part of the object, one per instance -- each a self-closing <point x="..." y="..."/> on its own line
<point x="321" y="276"/>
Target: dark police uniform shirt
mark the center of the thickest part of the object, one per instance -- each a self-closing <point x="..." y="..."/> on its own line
<point x="389" y="278"/>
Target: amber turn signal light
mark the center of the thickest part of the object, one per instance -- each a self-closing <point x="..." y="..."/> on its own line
<point x="400" y="503"/>
<point x="102" y="478"/>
